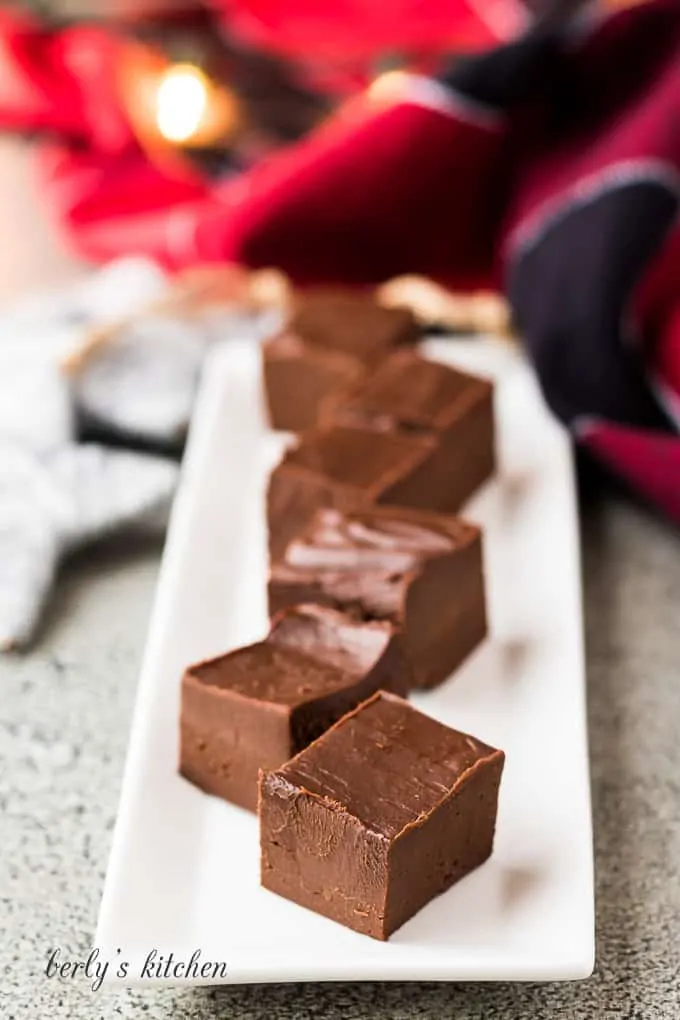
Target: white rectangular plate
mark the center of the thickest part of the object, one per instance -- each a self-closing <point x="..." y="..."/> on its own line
<point x="183" y="873"/>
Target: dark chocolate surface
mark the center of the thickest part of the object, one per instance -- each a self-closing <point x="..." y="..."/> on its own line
<point x="386" y="764"/>
<point x="270" y="672"/>
<point x="255" y="707"/>
<point x="342" y="320"/>
<point x="350" y="468"/>
<point x="332" y="338"/>
<point x="299" y="377"/>
<point x="349" y="456"/>
<point x="420" y="570"/>
<point x="409" y="392"/>
<point x="409" y="396"/>
<point x="310" y="651"/>
<point x="384" y="811"/>
<point x="344" y="643"/>
<point x="361" y="558"/>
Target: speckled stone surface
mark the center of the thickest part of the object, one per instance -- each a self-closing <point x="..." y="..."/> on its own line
<point x="64" y="716"/>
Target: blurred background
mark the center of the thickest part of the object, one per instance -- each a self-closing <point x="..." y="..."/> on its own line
<point x="167" y="132"/>
<point x="179" y="96"/>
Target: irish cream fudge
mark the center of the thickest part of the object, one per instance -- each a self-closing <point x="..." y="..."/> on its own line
<point x="257" y="706"/>
<point x="383" y="812"/>
<point x="351" y="468"/>
<point x="421" y="571"/>
<point x="408" y="394"/>
<point x="331" y="340"/>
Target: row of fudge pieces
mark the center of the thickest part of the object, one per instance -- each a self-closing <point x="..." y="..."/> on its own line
<point x="398" y="430"/>
<point x="387" y="599"/>
<point x="419" y="571"/>
<point x="332" y="340"/>
<point x="367" y="807"/>
<point x="365" y="824"/>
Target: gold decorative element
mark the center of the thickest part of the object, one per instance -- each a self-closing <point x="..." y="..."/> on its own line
<point x="194" y="292"/>
<point x="433" y="305"/>
<point x="201" y="288"/>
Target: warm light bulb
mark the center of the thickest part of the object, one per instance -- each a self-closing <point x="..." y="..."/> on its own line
<point x="390" y="85"/>
<point x="181" y="102"/>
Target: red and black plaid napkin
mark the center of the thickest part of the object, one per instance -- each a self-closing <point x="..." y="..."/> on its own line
<point x="549" y="167"/>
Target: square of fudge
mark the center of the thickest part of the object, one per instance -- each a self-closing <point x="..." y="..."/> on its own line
<point x="329" y="342"/>
<point x="339" y="319"/>
<point x="379" y="815"/>
<point x="421" y="571"/>
<point x="348" y="468"/>
<point x="408" y="393"/>
<point x="298" y="377"/>
<point x="257" y="706"/>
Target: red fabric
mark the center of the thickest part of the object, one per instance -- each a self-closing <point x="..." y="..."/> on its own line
<point x="657" y="309"/>
<point x="648" y="462"/>
<point x="61" y="83"/>
<point x="350" y="30"/>
<point x="625" y="86"/>
<point x="337" y="46"/>
<point x="374" y="184"/>
<point x="667" y="352"/>
<point x="334" y="184"/>
<point x="385" y="189"/>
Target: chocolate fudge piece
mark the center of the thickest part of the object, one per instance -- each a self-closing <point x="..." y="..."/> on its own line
<point x="421" y="571"/>
<point x="351" y="321"/>
<point x="410" y="394"/>
<point x="349" y="468"/>
<point x="383" y="812"/>
<point x="298" y="377"/>
<point x="255" y="707"/>
<point x="331" y="339"/>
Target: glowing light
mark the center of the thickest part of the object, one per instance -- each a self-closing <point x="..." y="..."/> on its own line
<point x="390" y="85"/>
<point x="181" y="102"/>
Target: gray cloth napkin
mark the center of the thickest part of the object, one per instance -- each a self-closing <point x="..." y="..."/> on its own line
<point x="136" y="384"/>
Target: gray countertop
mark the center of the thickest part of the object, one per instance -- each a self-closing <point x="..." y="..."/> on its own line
<point x="65" y="710"/>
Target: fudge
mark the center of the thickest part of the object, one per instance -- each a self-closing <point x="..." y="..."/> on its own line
<point x="255" y="707"/>
<point x="329" y="342"/>
<point x="349" y="468"/>
<point x="384" y="811"/>
<point x="409" y="394"/>
<point x="298" y="377"/>
<point x="420" y="571"/>
<point x="351" y="321"/>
